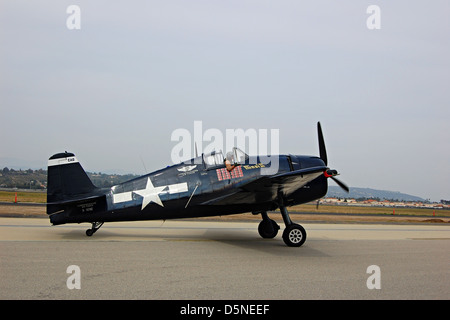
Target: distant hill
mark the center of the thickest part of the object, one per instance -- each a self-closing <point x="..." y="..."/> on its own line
<point x="355" y="193"/>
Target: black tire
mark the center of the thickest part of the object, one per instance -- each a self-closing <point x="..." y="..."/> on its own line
<point x="294" y="235"/>
<point x="89" y="232"/>
<point x="266" y="231"/>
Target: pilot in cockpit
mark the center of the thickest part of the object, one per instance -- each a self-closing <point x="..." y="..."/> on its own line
<point x="230" y="162"/>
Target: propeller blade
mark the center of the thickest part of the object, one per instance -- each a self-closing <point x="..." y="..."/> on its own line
<point x="341" y="184"/>
<point x="322" y="150"/>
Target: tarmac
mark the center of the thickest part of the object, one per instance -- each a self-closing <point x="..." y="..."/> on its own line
<point x="203" y="260"/>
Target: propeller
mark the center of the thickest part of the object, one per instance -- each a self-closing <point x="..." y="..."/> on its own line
<point x="322" y="150"/>
<point x="323" y="155"/>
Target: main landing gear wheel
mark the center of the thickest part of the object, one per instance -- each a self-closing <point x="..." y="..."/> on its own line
<point x="268" y="229"/>
<point x="294" y="235"/>
<point x="95" y="227"/>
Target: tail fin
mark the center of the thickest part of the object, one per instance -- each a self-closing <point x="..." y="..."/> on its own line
<point x="66" y="181"/>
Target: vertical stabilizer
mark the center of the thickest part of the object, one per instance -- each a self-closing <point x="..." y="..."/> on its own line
<point x="66" y="180"/>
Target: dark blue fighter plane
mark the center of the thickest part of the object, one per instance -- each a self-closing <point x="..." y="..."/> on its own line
<point x="208" y="185"/>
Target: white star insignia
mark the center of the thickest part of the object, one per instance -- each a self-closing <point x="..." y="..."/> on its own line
<point x="150" y="194"/>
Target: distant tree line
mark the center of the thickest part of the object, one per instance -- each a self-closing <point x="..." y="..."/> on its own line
<point x="37" y="179"/>
<point x="23" y="179"/>
<point x="103" y="180"/>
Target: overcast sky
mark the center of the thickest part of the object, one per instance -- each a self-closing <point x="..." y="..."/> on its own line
<point x="115" y="90"/>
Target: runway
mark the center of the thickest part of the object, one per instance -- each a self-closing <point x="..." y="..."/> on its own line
<point x="194" y="259"/>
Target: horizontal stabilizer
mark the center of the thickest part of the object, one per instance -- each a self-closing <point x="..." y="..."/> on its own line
<point x="53" y="207"/>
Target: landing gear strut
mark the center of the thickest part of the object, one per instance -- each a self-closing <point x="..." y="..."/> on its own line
<point x="95" y="227"/>
<point x="294" y="235"/>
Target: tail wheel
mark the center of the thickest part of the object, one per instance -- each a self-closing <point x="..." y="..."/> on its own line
<point x="294" y="235"/>
<point x="95" y="227"/>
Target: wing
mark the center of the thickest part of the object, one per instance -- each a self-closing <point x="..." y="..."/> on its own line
<point x="267" y="188"/>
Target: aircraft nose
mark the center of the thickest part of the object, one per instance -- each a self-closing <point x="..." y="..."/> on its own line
<point x="303" y="162"/>
<point x="309" y="162"/>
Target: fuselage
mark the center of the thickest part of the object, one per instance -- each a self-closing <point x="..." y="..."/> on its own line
<point x="189" y="189"/>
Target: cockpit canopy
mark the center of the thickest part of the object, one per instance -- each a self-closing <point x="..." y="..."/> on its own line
<point x="216" y="159"/>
